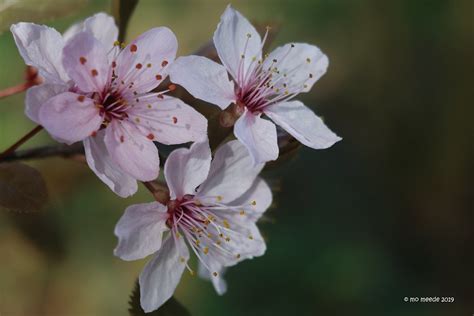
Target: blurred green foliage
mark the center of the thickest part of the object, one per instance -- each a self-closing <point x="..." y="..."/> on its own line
<point x="386" y="213"/>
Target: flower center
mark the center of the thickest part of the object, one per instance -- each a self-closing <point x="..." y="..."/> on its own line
<point x="208" y="229"/>
<point x="262" y="82"/>
<point x="112" y="107"/>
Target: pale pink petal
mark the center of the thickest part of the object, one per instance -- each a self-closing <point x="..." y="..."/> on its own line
<point x="255" y="201"/>
<point x="232" y="41"/>
<point x="41" y="47"/>
<point x="258" y="135"/>
<point x="132" y="151"/>
<point x="70" y="117"/>
<point x="186" y="169"/>
<point x="140" y="230"/>
<point x="145" y="61"/>
<point x="169" y="120"/>
<point x="99" y="160"/>
<point x="204" y="79"/>
<point x="231" y="175"/>
<point x="161" y="275"/>
<point x="85" y="61"/>
<point x="220" y="285"/>
<point x="246" y="241"/>
<point x="302" y="123"/>
<point x="301" y="64"/>
<point x="101" y="25"/>
<point x="37" y="95"/>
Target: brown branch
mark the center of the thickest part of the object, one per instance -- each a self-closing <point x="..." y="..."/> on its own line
<point x="61" y="150"/>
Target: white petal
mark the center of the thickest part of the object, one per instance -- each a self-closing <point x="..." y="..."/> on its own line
<point x="99" y="160"/>
<point x="258" y="135"/>
<point x="67" y="118"/>
<point x="41" y="47"/>
<point x="302" y="65"/>
<point x="302" y="123"/>
<point x="38" y="95"/>
<point x="220" y="285"/>
<point x="85" y="60"/>
<point x="161" y="275"/>
<point x="232" y="41"/>
<point x="232" y="173"/>
<point x="186" y="169"/>
<point x="152" y="52"/>
<point x="255" y="201"/>
<point x="204" y="79"/>
<point x="101" y="25"/>
<point x="140" y="230"/>
<point x="132" y="151"/>
<point x="169" y="120"/>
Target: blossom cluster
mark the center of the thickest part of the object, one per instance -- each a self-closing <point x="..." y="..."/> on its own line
<point x="110" y="97"/>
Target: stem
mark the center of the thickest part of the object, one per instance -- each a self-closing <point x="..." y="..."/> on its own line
<point x="15" y="89"/>
<point x="21" y="141"/>
<point x="158" y="190"/>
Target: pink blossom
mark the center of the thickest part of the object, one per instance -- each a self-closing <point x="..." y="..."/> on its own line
<point x="213" y="210"/>
<point x="260" y="86"/>
<point x="98" y="92"/>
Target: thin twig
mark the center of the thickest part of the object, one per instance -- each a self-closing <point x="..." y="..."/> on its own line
<point x="14" y="90"/>
<point x="21" y="141"/>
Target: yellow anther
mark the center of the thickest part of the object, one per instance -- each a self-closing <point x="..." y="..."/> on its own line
<point x="254" y="58"/>
<point x="116" y="43"/>
<point x="198" y="242"/>
<point x="219" y="198"/>
<point x="209" y="235"/>
<point x="148" y="106"/>
<point x="250" y="237"/>
<point x="254" y="203"/>
<point x="122" y="45"/>
<point x="238" y="256"/>
<point x="226" y="224"/>
<point x="178" y="235"/>
<point x="221" y="235"/>
<point x="308" y="60"/>
<point x="218" y="242"/>
<point x="182" y="260"/>
<point x="286" y="92"/>
<point x="214" y="274"/>
<point x="242" y="212"/>
<point x="206" y="250"/>
<point x="227" y="239"/>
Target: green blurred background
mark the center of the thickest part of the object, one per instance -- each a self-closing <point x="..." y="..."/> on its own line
<point x="384" y="214"/>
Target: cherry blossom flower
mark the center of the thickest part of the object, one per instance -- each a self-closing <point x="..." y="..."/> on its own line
<point x="213" y="210"/>
<point x="100" y="92"/>
<point x="260" y="86"/>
